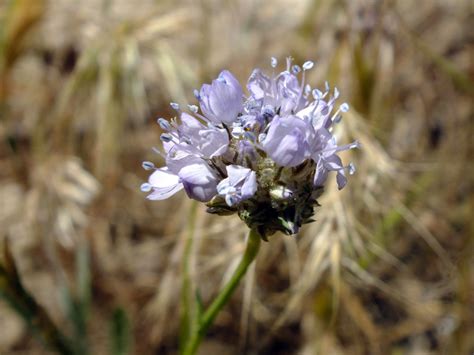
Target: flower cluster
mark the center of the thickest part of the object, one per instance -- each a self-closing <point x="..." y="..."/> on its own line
<point x="265" y="156"/>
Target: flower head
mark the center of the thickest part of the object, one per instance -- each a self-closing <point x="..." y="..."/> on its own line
<point x="265" y="157"/>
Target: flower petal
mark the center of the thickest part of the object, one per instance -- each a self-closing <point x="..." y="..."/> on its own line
<point x="162" y="178"/>
<point x="341" y="179"/>
<point x="199" y="181"/>
<point x="250" y="186"/>
<point x="321" y="174"/>
<point x="213" y="142"/>
<point x="163" y="193"/>
<point x="286" y="142"/>
<point x="164" y="184"/>
<point x="237" y="174"/>
<point x="222" y="101"/>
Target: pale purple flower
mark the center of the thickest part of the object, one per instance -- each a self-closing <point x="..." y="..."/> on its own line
<point x="240" y="184"/>
<point x="183" y="171"/>
<point x="287" y="141"/>
<point x="222" y="100"/>
<point x="324" y="153"/>
<point x="262" y="156"/>
<point x="206" y="141"/>
<point x="326" y="164"/>
<point x="283" y="91"/>
<point x="289" y="93"/>
<point x="163" y="184"/>
<point x="199" y="181"/>
<point x="260" y="86"/>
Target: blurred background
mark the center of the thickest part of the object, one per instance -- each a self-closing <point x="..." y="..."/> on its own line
<point x="388" y="267"/>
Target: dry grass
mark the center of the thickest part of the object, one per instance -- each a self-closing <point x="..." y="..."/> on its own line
<point x="387" y="268"/>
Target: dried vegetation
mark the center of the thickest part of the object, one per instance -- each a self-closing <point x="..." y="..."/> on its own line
<point x="387" y="268"/>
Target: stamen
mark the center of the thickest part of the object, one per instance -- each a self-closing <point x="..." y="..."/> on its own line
<point x="352" y="145"/>
<point x="355" y="144"/>
<point x="301" y="89"/>
<point x="308" y="65"/>
<point x="174" y="105"/>
<point x="344" y="107"/>
<point x="295" y="69"/>
<point x="145" y="187"/>
<point x="164" y="124"/>
<point x="166" y="137"/>
<point x="148" y="165"/>
<point x="317" y="94"/>
<point x="274" y="62"/>
<point x="351" y="168"/>
<point x="193" y="108"/>
<point x="288" y="63"/>
<point x="336" y="116"/>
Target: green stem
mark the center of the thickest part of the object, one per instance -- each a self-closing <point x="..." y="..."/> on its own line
<point x="253" y="244"/>
<point x="187" y="311"/>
